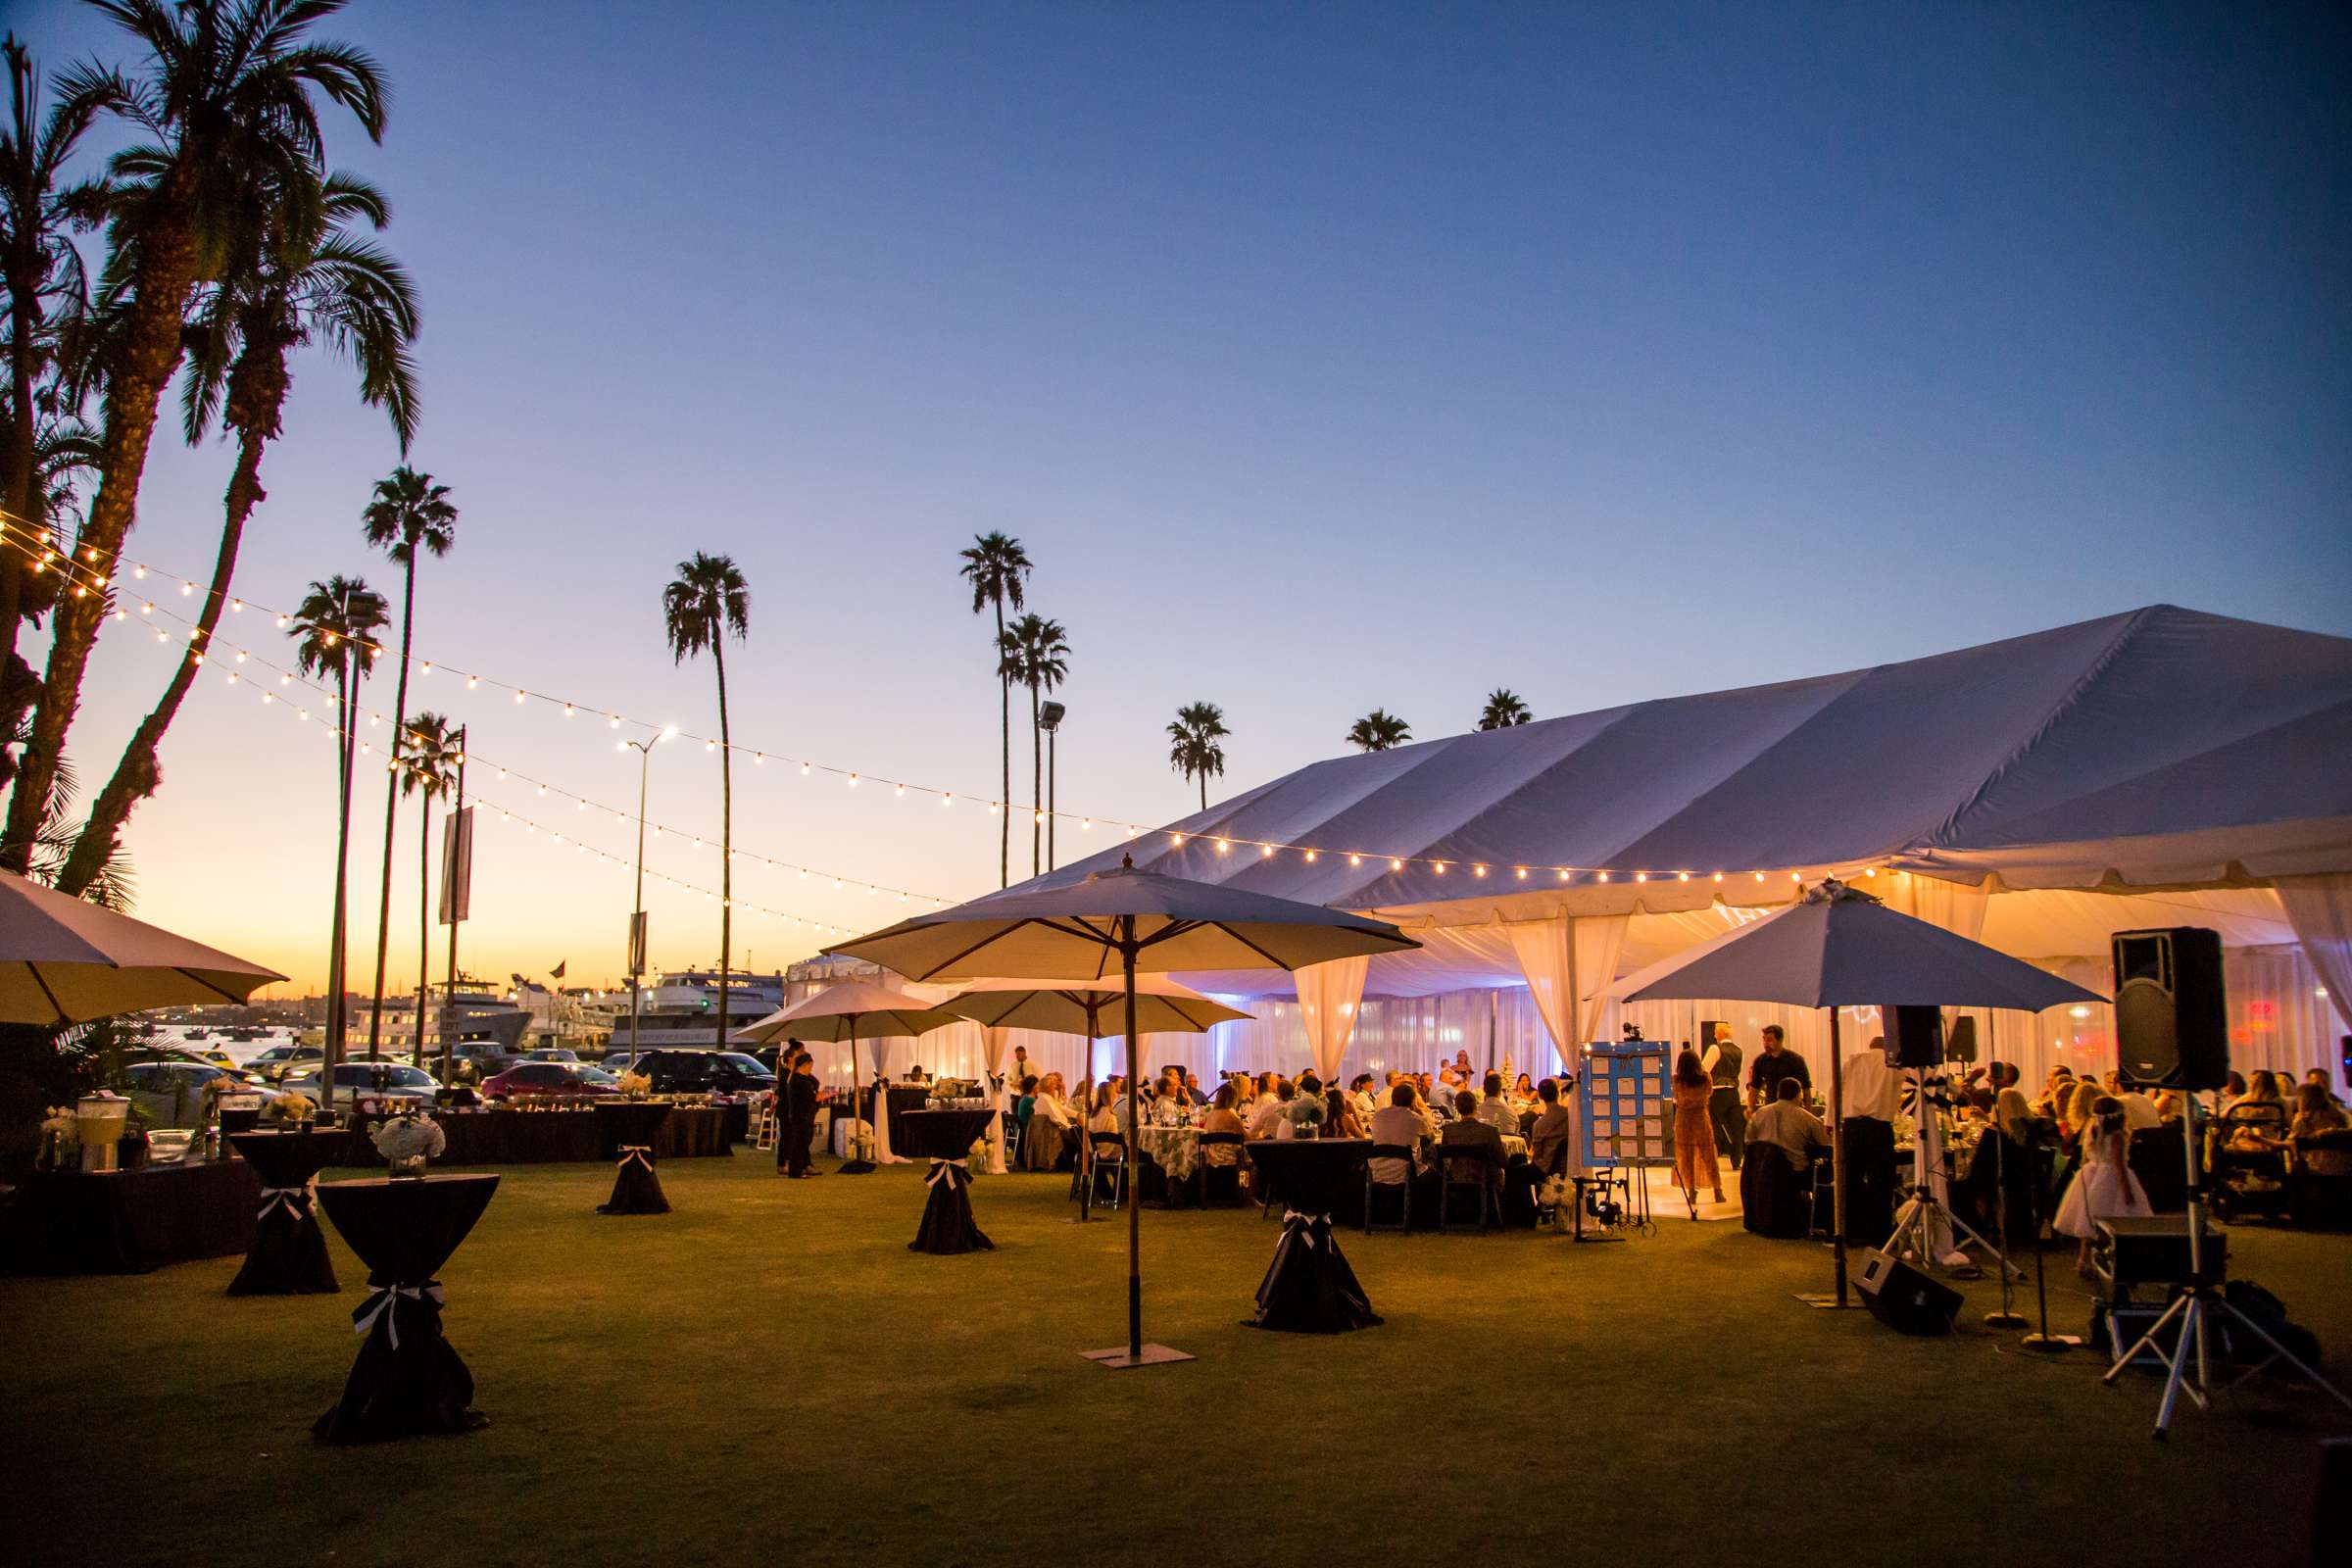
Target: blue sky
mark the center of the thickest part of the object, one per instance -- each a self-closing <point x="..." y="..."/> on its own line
<point x="1324" y="357"/>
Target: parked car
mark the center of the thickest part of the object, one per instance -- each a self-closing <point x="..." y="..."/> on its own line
<point x="171" y="1094"/>
<point x="362" y="1082"/>
<point x="139" y="1054"/>
<point x="553" y="1080"/>
<point x="617" y="1060"/>
<point x="548" y="1053"/>
<point x="676" y="1071"/>
<point x="280" y="1061"/>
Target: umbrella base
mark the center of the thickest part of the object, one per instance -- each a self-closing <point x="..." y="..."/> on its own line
<point x="1117" y="1359"/>
<point x="856" y="1167"/>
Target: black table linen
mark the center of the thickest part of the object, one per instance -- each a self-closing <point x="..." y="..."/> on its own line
<point x="945" y="1138"/>
<point x="629" y="1128"/>
<point x="1310" y="1287"/>
<point x="288" y="1255"/>
<point x="408" y="1380"/>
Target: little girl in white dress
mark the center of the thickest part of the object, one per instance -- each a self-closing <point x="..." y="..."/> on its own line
<point x="2104" y="1186"/>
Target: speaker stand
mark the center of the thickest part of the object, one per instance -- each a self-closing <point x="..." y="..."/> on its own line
<point x="2005" y="1318"/>
<point x="2190" y="1309"/>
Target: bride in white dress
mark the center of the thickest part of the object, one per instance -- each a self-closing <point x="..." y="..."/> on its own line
<point x="2103" y="1187"/>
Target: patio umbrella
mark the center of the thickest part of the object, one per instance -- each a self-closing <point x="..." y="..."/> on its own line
<point x="1841" y="948"/>
<point x="64" y="960"/>
<point x="850" y="1012"/>
<point x="1089" y="1008"/>
<point x="1119" y="922"/>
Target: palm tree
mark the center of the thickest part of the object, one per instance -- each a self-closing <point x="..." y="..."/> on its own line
<point x="996" y="568"/>
<point x="1504" y="710"/>
<point x="1193" y="748"/>
<point x="309" y="280"/>
<point x="335" y="630"/>
<point x="705" y="603"/>
<point x="1035" y="652"/>
<point x="224" y="97"/>
<point x="1378" y="731"/>
<point x="430" y="771"/>
<point x="408" y="511"/>
<point x="41" y="270"/>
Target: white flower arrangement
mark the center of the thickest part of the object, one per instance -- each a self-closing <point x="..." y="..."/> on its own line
<point x="1307" y="1110"/>
<point x="412" y="1136"/>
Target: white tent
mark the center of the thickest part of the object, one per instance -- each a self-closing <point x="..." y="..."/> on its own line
<point x="2159" y="768"/>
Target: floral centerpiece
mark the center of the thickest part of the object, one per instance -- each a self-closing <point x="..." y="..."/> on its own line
<point x="1305" y="1115"/>
<point x="291" y="1106"/>
<point x="635" y="1085"/>
<point x="408" y="1141"/>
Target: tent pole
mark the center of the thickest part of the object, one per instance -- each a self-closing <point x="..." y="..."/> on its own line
<point x="1135" y="1111"/>
<point x="1837" y="1156"/>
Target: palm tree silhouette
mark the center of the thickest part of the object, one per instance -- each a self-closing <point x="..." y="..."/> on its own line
<point x="1504" y="710"/>
<point x="302" y="277"/>
<point x="1193" y="748"/>
<point x="430" y="771"/>
<point x="996" y="568"/>
<point x="1036" y="653"/>
<point x="335" y="630"/>
<point x="410" y="511"/>
<point x="706" y="602"/>
<point x="1378" y="731"/>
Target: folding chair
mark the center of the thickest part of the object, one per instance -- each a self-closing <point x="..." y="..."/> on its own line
<point x="1230" y="1176"/>
<point x="1473" y="1154"/>
<point x="1106" y="1155"/>
<point x="1404" y="1188"/>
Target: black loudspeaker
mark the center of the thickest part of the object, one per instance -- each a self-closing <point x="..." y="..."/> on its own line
<point x="1903" y="1299"/>
<point x="2172" y="1021"/>
<point x="1961" y="1045"/>
<point x="1914" y="1036"/>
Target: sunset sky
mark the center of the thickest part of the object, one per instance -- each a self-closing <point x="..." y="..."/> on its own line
<point x="1323" y="357"/>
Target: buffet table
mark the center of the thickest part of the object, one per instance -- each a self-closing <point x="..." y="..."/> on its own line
<point x="506" y="1137"/>
<point x="127" y="1222"/>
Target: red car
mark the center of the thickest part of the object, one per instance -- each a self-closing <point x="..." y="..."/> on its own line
<point x="553" y="1080"/>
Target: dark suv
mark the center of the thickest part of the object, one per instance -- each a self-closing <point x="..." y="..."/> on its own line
<point x="704" y="1072"/>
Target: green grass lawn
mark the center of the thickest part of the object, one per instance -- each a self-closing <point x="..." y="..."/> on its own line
<point x="769" y="1375"/>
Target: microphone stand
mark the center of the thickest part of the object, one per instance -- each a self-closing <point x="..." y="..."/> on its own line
<point x="2006" y="1318"/>
<point x="2045" y="1341"/>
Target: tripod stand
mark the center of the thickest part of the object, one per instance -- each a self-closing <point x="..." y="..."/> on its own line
<point x="2189" y="1310"/>
<point x="1920" y="1216"/>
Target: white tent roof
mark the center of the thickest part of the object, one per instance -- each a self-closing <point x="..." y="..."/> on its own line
<point x="2160" y="750"/>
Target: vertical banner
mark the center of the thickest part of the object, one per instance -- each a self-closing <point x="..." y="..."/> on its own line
<point x="637" y="944"/>
<point x="457" y="866"/>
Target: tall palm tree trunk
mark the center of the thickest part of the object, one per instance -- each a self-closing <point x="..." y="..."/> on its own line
<point x="149" y="352"/>
<point x="1036" y="783"/>
<point x="346" y="712"/>
<point x="727" y="839"/>
<point x="400" y="721"/>
<point x="1005" y="751"/>
<point x="425" y="926"/>
<point x="18" y="495"/>
<point x="137" y="774"/>
<point x="1205" y="789"/>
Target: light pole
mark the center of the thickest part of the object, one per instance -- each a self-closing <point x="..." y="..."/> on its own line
<point x="645" y="761"/>
<point x="1048" y="720"/>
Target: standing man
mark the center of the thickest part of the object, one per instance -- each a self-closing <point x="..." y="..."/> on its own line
<point x="798" y="1114"/>
<point x="1873" y="1096"/>
<point x="1722" y="1061"/>
<point x="1778" y="1061"/>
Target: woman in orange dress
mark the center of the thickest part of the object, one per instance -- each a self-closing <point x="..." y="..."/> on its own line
<point x="1694" y="1132"/>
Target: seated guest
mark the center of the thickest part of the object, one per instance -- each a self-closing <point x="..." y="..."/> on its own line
<point x="1789" y="1124"/>
<point x="1191" y="1089"/>
<point x="1340" y="1119"/>
<point x="1547" y="1144"/>
<point x="1271" y="1119"/>
<point x="2317" y="1078"/>
<point x="1399" y="1122"/>
<point x="2139" y="1110"/>
<point x="1468" y="1131"/>
<point x="1360" y="1096"/>
<point x="1494" y="1110"/>
<point x="1048" y="1135"/>
<point x="1222" y="1119"/>
<point x="2315" y="1112"/>
<point x="1523" y="1093"/>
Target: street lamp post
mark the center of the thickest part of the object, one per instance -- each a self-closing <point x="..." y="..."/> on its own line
<point x="1048" y="720"/>
<point x="645" y="759"/>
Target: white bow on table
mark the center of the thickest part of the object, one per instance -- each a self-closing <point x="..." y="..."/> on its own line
<point x="642" y="1153"/>
<point x="948" y="1170"/>
<point x="381" y="1303"/>
<point x="293" y="1199"/>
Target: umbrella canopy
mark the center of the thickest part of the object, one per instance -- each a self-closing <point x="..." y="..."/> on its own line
<point x="1843" y="949"/>
<point x="66" y="961"/>
<point x="1089" y="1008"/>
<point x="1166" y="922"/>
<point x="851" y="1010"/>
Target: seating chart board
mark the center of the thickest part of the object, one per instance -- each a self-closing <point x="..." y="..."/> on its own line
<point x="1627" y="1104"/>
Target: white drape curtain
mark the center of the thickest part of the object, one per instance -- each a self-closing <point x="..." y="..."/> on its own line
<point x="2320" y="908"/>
<point x="1329" y="997"/>
<point x="996" y="1045"/>
<point x="1569" y="962"/>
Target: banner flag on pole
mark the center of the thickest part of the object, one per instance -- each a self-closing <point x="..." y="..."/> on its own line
<point x="457" y="866"/>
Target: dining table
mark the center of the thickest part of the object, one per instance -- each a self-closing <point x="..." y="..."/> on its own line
<point x="1309" y="1288"/>
<point x="628" y="1129"/>
<point x="288" y="1255"/>
<point x="946" y="1139"/>
<point x="407" y="1379"/>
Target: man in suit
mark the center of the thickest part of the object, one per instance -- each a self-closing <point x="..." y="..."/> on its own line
<point x="796" y="1116"/>
<point x="1730" y="1118"/>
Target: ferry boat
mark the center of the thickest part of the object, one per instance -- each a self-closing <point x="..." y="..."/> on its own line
<point x="487" y="1020"/>
<point x="681" y="1007"/>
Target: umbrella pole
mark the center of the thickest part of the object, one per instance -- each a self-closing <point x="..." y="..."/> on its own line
<point x="1838" y="1157"/>
<point x="1135" y="1210"/>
